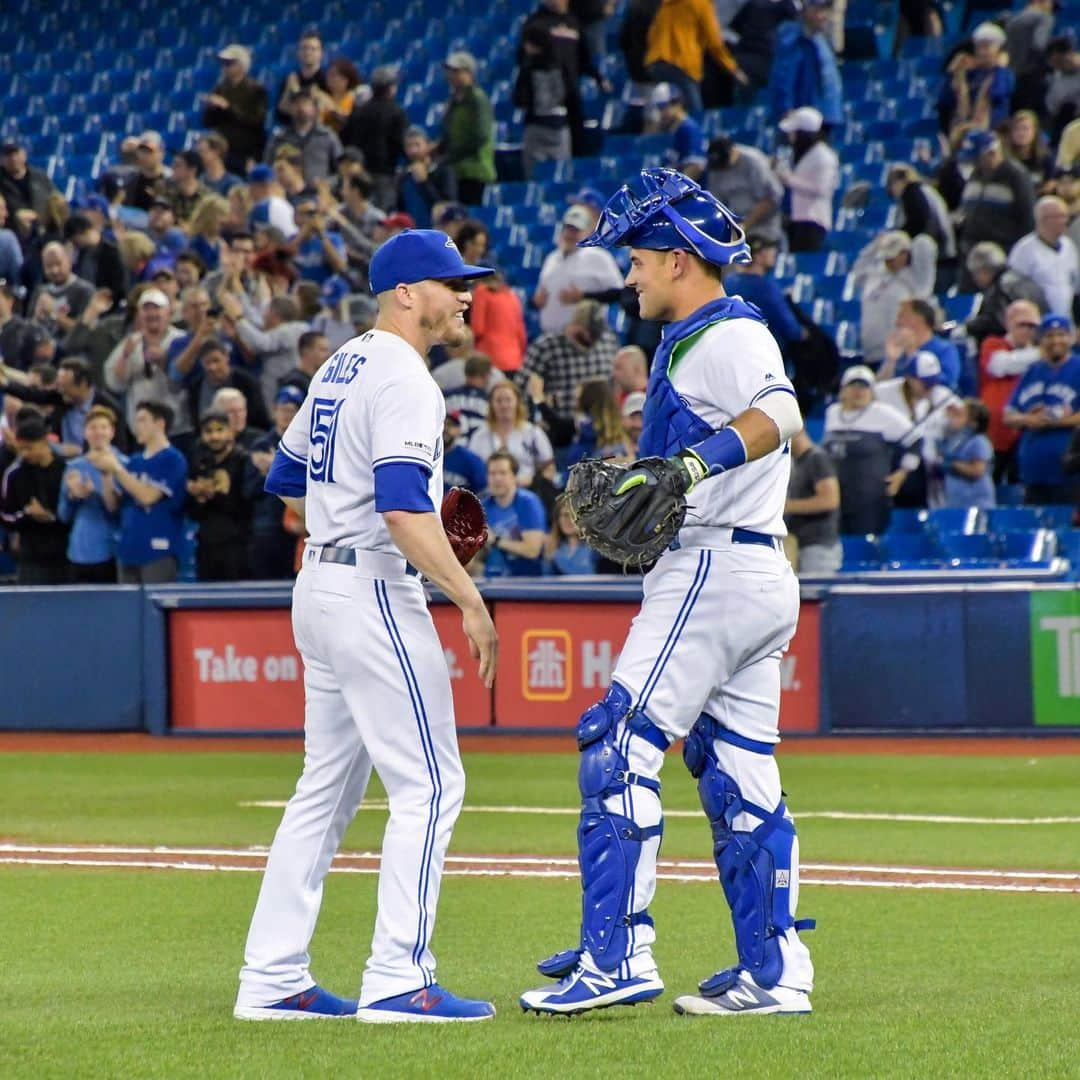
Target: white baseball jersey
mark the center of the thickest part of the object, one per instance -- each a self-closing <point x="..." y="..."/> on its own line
<point x="372" y="403"/>
<point x="723" y="372"/>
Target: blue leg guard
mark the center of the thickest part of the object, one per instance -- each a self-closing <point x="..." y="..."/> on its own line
<point x="755" y="867"/>
<point x="609" y="844"/>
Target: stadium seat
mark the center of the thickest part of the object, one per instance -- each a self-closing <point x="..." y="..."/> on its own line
<point x="1010" y="494"/>
<point x="1004" y="519"/>
<point x="860" y="553"/>
<point x="904" y="520"/>
<point x="966" y="520"/>
<point x="967" y="549"/>
<point x="1056" y="517"/>
<point x="910" y="550"/>
<point x="1028" y="549"/>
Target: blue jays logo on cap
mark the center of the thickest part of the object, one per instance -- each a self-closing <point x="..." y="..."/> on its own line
<point x="419" y="255"/>
<point x="1055" y="322"/>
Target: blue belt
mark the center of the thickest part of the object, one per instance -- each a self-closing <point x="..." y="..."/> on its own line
<point x="347" y="557"/>
<point x="748" y="536"/>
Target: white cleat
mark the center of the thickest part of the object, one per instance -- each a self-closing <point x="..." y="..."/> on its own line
<point x="745" y="997"/>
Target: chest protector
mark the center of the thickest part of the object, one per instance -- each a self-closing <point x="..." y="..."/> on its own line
<point x="668" y="423"/>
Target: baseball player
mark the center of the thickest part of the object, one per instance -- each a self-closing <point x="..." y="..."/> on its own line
<point x="362" y="463"/>
<point x="702" y="659"/>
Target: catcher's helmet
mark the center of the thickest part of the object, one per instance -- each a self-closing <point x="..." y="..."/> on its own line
<point x="674" y="213"/>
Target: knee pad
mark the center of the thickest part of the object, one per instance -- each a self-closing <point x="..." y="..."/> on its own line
<point x="609" y="844"/>
<point x="755" y="866"/>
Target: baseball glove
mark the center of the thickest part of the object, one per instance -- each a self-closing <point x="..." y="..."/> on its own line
<point x="464" y="522"/>
<point x="631" y="514"/>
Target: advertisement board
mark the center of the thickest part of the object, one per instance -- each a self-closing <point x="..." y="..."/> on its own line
<point x="1055" y="657"/>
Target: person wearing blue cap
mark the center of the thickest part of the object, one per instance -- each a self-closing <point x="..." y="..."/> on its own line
<point x="362" y="464"/>
<point x="689" y="152"/>
<point x="1045" y="406"/>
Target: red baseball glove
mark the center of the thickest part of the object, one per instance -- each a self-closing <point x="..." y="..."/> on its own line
<point x="464" y="522"/>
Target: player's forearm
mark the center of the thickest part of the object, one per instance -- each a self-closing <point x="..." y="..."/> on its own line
<point x="421" y="539"/>
<point x="295" y="504"/>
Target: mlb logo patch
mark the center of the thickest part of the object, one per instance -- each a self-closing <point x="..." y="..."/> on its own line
<point x="783" y="879"/>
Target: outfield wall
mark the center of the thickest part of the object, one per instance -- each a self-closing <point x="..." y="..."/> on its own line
<point x="982" y="656"/>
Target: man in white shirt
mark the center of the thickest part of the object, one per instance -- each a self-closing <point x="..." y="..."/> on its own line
<point x="1049" y="257"/>
<point x="570" y="274"/>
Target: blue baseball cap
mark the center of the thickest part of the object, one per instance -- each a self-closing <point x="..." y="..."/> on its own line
<point x="588" y="197"/>
<point x="260" y="174"/>
<point x="976" y="143"/>
<point x="290" y="395"/>
<point x="1055" y="322"/>
<point x="334" y="289"/>
<point x="419" y="255"/>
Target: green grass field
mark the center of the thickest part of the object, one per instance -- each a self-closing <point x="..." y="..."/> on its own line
<point x="113" y="973"/>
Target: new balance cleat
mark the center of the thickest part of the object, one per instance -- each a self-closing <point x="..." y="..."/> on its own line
<point x="429" y="1005"/>
<point x="583" y="990"/>
<point x="739" y="995"/>
<point x="315" y="1003"/>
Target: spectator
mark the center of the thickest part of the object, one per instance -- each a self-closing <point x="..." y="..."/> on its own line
<point x="812" y="179"/>
<point x="212" y="369"/>
<point x="914" y="333"/>
<point x="754" y="282"/>
<point x="592" y="17"/>
<point x="318" y="145"/>
<point x="160" y="220"/>
<point x="151" y="176"/>
<point x="1063" y="93"/>
<point x="890" y="269"/>
<point x="206" y="228"/>
<point x="812" y="510"/>
<point x="313" y="350"/>
<point x="318" y="250"/>
<point x="1024" y="144"/>
<point x="213" y="151"/>
<point x="138" y="367"/>
<point x="629" y="371"/>
<point x="136" y="251"/>
<point x="449" y="372"/>
<point x="198" y="326"/>
<point x="358" y="220"/>
<point x="11" y="257"/>
<point x="564" y="550"/>
<point x="585" y="349"/>
<point x="921" y="211"/>
<point x="740" y="177"/>
<point x="756" y="23"/>
<point x="980" y="87"/>
<point x="571" y="273"/>
<point x="377" y="128"/>
<point x="308" y="75"/>
<point x="272" y="549"/>
<point x="461" y="467"/>
<point x="29" y="506"/>
<point x="90" y="504"/>
<point x="508" y="429"/>
<point x="468" y="145"/>
<point x="1048" y="257"/>
<point x="1003" y="359"/>
<point x="472" y="240"/>
<point x="966" y="456"/>
<point x="599" y="424"/>
<point x="342" y="83"/>
<point x="516" y="522"/>
<point x="185" y="190"/>
<point x="689" y="152"/>
<point x="1044" y="407"/>
<point x="288" y="170"/>
<point x="22" y="186"/>
<point x="68" y="402"/>
<point x="998" y="200"/>
<point x="237" y="110"/>
<point x="342" y="316"/>
<point x="1000" y="286"/>
<point x="216" y="500"/>
<point x="233" y="405"/>
<point x="633" y="421"/>
<point x="1027" y="34"/>
<point x="804" y="70"/>
<point x="96" y="260"/>
<point x="542" y="93"/>
<point x="498" y="322"/>
<point x="680" y="35"/>
<point x="634" y="37"/>
<point x="60" y="299"/>
<point x="422" y="181"/>
<point x="19" y="338"/>
<point x="863" y="437"/>
<point x="469" y="400"/>
<point x="98" y="329"/>
<point x="274" y="345"/>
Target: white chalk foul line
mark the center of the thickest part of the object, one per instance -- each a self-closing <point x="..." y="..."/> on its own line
<point x="834" y="815"/>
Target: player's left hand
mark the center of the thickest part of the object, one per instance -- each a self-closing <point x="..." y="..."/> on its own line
<point x="681" y="472"/>
<point x="483" y="641"/>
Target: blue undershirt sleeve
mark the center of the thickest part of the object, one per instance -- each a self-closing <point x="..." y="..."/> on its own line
<point x="402" y="486"/>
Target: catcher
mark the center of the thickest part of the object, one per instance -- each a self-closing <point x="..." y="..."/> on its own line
<point x="702" y="659"/>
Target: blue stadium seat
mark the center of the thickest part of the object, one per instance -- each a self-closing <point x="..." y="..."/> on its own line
<point x="860" y="553"/>
<point x="1056" y="517"/>
<point x="958" y="308"/>
<point x="904" y="520"/>
<point x="1005" y="519"/>
<point x="1010" y="494"/>
<point x="970" y="549"/>
<point x="965" y="520"/>
<point x="904" y="551"/>
<point x="1028" y="549"/>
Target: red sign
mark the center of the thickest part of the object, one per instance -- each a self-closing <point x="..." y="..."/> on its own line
<point x="556" y="659"/>
<point x="239" y="670"/>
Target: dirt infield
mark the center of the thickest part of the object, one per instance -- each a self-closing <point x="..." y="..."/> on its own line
<point x="101" y="856"/>
<point x="138" y="742"/>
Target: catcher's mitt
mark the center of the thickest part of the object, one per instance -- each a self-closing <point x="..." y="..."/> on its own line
<point x="633" y="528"/>
<point x="464" y="522"/>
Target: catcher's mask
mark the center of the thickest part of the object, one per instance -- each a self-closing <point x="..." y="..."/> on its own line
<point x="674" y="214"/>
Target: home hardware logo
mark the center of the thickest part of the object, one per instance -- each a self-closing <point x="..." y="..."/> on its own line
<point x="547" y="669"/>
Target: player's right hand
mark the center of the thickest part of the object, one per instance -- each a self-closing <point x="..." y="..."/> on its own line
<point x="483" y="642"/>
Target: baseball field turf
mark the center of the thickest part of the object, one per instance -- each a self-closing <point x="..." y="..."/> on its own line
<point x="125" y="964"/>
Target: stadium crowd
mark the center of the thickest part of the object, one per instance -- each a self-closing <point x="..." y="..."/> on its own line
<point x="159" y="331"/>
